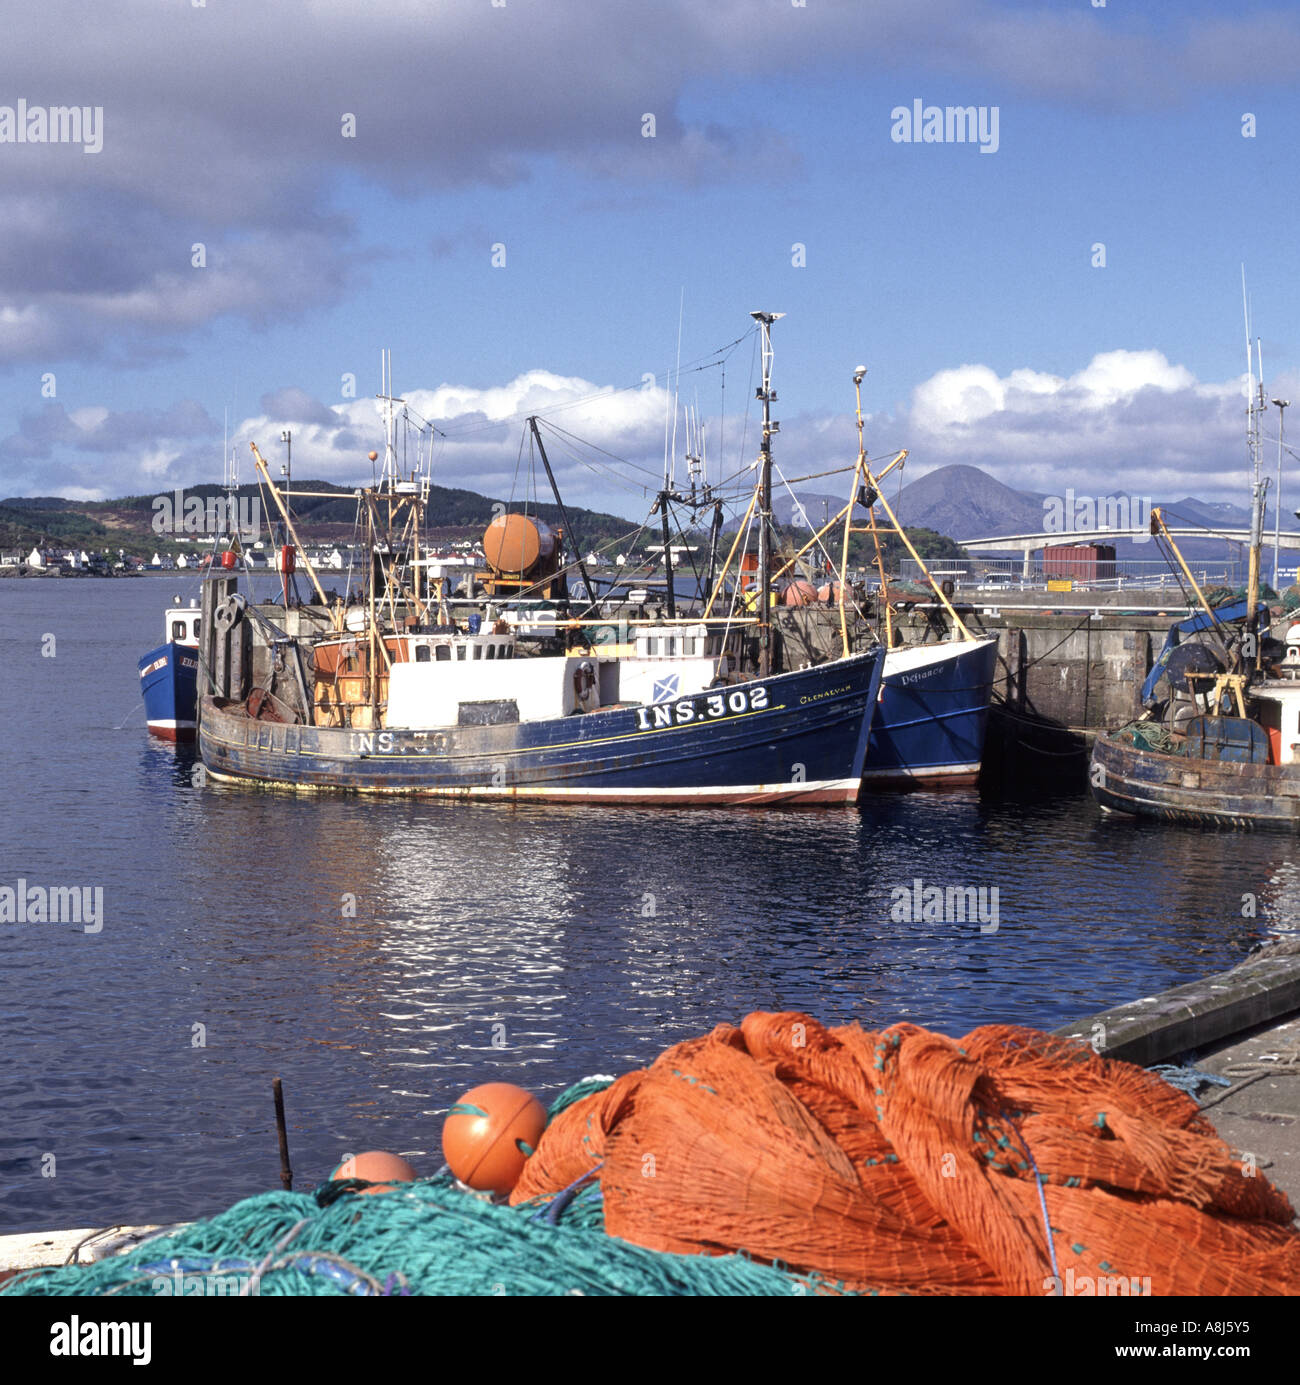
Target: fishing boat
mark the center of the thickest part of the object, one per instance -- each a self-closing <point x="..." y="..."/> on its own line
<point x="169" y="676"/>
<point x="420" y="704"/>
<point x="535" y="728"/>
<point x="1222" y="747"/>
<point x="932" y="708"/>
<point x="929" y="726"/>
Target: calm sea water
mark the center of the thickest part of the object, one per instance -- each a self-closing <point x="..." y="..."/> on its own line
<point x="382" y="956"/>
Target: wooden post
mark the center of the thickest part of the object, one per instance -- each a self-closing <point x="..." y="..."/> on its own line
<point x="286" y="1173"/>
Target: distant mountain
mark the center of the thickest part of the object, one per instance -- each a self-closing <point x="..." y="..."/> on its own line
<point x="961" y="502"/>
<point x="1217" y="515"/>
<point x="967" y="503"/>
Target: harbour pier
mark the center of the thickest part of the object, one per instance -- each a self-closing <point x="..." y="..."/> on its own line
<point x="1069" y="666"/>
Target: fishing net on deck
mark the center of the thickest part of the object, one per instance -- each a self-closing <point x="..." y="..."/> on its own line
<point x="908" y="589"/>
<point x="1223" y="596"/>
<point x="782" y="1157"/>
<point x="907" y="1162"/>
<point x="1149" y="735"/>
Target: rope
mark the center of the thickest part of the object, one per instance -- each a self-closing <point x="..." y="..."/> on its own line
<point x="1042" y="1198"/>
<point x="1287" y="1064"/>
<point x="1005" y="711"/>
<point x="1188" y="1078"/>
<point x="136" y="708"/>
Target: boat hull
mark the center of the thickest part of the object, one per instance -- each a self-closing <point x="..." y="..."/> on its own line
<point x="169" y="686"/>
<point x="1207" y="793"/>
<point x="932" y="716"/>
<point x="792" y="738"/>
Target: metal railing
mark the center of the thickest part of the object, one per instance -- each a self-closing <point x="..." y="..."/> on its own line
<point x="1010" y="574"/>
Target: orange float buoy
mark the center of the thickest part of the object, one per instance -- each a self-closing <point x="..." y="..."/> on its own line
<point x="378" y="1167"/>
<point x="799" y="593"/>
<point x="490" y="1133"/>
<point x="372" y="456"/>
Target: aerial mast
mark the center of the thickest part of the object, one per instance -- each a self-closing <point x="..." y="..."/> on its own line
<point x="858" y="376"/>
<point x="768" y="397"/>
<point x="1254" y="407"/>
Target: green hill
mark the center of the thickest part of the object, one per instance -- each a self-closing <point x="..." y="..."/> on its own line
<point x="127" y="522"/>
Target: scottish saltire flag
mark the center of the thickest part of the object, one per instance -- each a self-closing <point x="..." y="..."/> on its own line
<point x="665" y="688"/>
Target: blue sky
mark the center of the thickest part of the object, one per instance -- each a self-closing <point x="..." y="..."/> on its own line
<point x="963" y="280"/>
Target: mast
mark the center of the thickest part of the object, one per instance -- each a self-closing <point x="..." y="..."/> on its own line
<point x="231" y="481"/>
<point x="1254" y="407"/>
<point x="1257" y="485"/>
<point x="389" y="476"/>
<point x="1281" y="405"/>
<point x="288" y="522"/>
<point x="768" y="396"/>
<point x="858" y="376"/>
<point x="668" y="554"/>
<point x="564" y="514"/>
<point x="715" y="530"/>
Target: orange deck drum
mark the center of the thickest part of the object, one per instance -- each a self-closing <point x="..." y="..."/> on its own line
<point x="517" y="544"/>
<point x="908" y="1162"/>
<point x="798" y="593"/>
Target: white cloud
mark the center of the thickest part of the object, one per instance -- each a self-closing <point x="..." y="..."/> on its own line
<point x="480" y="431"/>
<point x="1127" y="419"/>
<point x="1117" y="375"/>
<point x="91" y="417"/>
<point x="236" y="138"/>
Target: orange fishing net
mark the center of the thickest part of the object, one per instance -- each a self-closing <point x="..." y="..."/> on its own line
<point x="904" y="1162"/>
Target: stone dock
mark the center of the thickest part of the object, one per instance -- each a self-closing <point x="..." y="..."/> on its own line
<point x="1070" y="664"/>
<point x="1242" y="1025"/>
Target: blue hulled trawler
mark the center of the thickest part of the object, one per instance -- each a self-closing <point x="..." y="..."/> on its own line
<point x="401" y="698"/>
<point x="169" y="676"/>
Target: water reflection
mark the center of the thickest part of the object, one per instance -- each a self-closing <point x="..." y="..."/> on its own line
<point x="382" y="955"/>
